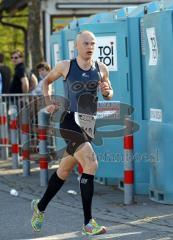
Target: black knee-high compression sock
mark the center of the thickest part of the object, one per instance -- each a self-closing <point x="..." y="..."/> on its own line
<point x="87" y="190"/>
<point x="55" y="183"/>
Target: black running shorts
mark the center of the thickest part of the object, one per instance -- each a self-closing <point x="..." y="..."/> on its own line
<point x="72" y="133"/>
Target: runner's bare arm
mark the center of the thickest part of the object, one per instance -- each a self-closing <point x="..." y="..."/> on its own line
<point x="105" y="85"/>
<point x="25" y="84"/>
<point x="60" y="70"/>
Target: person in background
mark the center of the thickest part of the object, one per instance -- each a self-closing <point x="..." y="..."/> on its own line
<point x="5" y="75"/>
<point x="33" y="81"/>
<point x="43" y="69"/>
<point x="20" y="82"/>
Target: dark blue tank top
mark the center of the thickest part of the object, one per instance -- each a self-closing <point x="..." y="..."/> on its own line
<point x="81" y="88"/>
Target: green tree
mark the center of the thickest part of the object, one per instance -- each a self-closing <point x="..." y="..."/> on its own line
<point x="35" y="31"/>
<point x="21" y="29"/>
<point x="12" y="38"/>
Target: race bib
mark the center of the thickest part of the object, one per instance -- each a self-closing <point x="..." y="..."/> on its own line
<point x="86" y="122"/>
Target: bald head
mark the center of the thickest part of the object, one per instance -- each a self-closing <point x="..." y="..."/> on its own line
<point x="85" y="44"/>
<point x="85" y="34"/>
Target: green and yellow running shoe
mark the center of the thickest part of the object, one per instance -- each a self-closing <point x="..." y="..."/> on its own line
<point x="93" y="228"/>
<point x="38" y="217"/>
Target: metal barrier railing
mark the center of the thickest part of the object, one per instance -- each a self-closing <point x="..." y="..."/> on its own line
<point x="4" y="130"/>
<point x="14" y="135"/>
<point x="29" y="125"/>
<point x="27" y="106"/>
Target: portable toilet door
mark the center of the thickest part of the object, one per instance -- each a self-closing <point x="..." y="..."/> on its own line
<point x="137" y="73"/>
<point x="69" y="43"/>
<point x="158" y="97"/>
<point x="57" y="49"/>
<point x="57" y="54"/>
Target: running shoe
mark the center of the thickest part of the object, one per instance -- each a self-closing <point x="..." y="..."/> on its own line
<point x="93" y="228"/>
<point x="38" y="217"/>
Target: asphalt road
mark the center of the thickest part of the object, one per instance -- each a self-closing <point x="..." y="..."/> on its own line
<point x="62" y="223"/>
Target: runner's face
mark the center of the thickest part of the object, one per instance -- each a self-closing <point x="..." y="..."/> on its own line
<point x="86" y="45"/>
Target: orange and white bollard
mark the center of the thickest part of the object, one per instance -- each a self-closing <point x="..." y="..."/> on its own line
<point x="128" y="164"/>
<point x="14" y="136"/>
<point x="3" y="131"/>
<point x="43" y="123"/>
<point x="25" y="142"/>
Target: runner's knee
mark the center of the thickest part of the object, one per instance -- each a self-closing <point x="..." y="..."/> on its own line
<point x="87" y="157"/>
<point x="63" y="173"/>
<point x="64" y="170"/>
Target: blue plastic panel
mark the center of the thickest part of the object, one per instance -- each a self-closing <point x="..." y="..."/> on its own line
<point x="158" y="99"/>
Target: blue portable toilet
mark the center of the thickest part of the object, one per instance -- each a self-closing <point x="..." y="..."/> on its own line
<point x="158" y="85"/>
<point x="57" y="54"/>
<point x="57" y="49"/>
<point x="111" y="44"/>
<point x="137" y="75"/>
<point x="125" y="76"/>
<point x="109" y="157"/>
<point x="68" y="41"/>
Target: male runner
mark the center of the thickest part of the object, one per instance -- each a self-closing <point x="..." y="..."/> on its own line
<point x="82" y="78"/>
